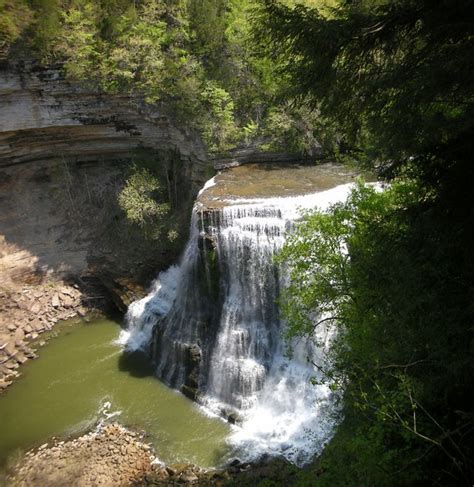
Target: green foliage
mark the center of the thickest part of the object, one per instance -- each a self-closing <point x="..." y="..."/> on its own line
<point x="394" y="76"/>
<point x="208" y="24"/>
<point x="393" y="282"/>
<point x="135" y="62"/>
<point x="299" y="130"/>
<point x="14" y="17"/>
<point x="219" y="126"/>
<point x="140" y="200"/>
<point x="197" y="56"/>
<point x="78" y="41"/>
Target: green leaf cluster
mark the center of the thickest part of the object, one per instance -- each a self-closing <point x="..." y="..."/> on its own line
<point x="140" y="200"/>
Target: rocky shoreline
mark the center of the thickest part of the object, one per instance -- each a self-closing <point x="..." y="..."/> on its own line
<point x="29" y="309"/>
<point x="115" y="456"/>
<point x="27" y="312"/>
<point x="110" y="456"/>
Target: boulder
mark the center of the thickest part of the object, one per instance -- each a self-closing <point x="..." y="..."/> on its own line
<point x="55" y="301"/>
<point x="36" y="308"/>
<point x="67" y="301"/>
<point x="19" y="335"/>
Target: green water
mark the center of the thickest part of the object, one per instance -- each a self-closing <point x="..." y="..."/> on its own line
<point x="62" y="393"/>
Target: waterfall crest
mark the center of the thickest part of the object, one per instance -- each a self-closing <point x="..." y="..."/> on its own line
<point x="212" y="327"/>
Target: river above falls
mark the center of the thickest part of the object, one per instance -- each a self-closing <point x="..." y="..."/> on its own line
<point x="257" y="181"/>
<point x="81" y="378"/>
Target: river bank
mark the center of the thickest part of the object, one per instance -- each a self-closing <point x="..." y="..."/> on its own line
<point x="116" y="456"/>
<point x="82" y="380"/>
<point x="27" y="312"/>
<point x="30" y="309"/>
<point x="110" y="456"/>
<point x="59" y="414"/>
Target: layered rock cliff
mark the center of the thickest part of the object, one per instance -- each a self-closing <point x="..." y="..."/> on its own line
<point x="64" y="153"/>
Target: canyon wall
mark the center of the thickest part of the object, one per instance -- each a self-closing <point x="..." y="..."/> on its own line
<point x="65" y="152"/>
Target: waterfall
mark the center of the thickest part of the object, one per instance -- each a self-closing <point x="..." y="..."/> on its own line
<point x="212" y="327"/>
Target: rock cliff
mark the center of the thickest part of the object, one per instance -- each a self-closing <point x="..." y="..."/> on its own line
<point x="64" y="153"/>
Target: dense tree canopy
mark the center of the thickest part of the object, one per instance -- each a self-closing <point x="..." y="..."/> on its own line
<point x="393" y="281"/>
<point x="396" y="75"/>
<point x="196" y="56"/>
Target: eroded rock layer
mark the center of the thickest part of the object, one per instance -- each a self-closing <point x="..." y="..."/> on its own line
<point x="64" y="152"/>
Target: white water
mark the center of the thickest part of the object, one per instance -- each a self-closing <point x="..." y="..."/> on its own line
<point x="236" y="333"/>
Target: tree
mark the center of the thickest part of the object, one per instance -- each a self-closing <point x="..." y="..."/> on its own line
<point x="140" y="200"/>
<point x="396" y="76"/>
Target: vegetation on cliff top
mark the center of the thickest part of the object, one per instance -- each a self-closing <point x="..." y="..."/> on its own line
<point x="197" y="56"/>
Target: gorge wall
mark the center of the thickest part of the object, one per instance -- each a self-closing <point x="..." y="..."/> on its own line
<point x="65" y="150"/>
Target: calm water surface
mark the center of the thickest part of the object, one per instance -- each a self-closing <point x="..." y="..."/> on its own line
<point x="67" y="390"/>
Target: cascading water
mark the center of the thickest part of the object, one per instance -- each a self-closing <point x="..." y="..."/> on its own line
<point x="211" y="325"/>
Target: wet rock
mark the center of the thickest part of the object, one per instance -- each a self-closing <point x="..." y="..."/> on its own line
<point x="81" y="312"/>
<point x="188" y="478"/>
<point x="4" y="383"/>
<point x="20" y="357"/>
<point x="122" y="291"/>
<point x="190" y="392"/>
<point x="192" y="366"/>
<point x="235" y="463"/>
<point x="37" y="325"/>
<point x="233" y="417"/>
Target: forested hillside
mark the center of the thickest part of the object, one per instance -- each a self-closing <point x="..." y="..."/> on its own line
<point x="197" y="56"/>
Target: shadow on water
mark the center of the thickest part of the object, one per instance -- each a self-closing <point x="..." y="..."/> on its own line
<point x="136" y="363"/>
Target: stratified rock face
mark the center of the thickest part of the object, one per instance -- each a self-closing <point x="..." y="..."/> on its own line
<point x="64" y="151"/>
<point x="43" y="116"/>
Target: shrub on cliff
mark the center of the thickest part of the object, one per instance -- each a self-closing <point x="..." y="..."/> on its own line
<point x="140" y="200"/>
